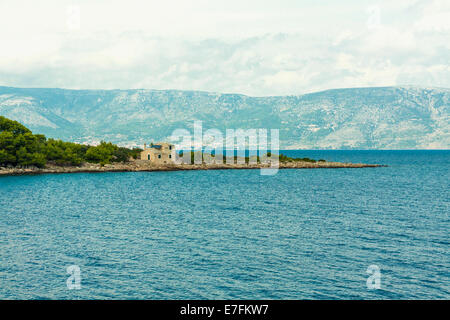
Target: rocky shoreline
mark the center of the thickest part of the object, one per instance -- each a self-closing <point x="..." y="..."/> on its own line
<point x="144" y="166"/>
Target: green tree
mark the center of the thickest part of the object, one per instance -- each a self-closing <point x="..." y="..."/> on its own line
<point x="38" y="160"/>
<point x="7" y="158"/>
<point x="23" y="157"/>
<point x="12" y="126"/>
<point x="102" y="153"/>
<point x="19" y="146"/>
<point x="121" y="155"/>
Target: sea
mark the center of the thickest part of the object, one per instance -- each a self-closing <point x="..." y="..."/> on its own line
<point x="367" y="233"/>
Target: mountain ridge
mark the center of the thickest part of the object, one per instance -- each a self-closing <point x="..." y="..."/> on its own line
<point x="232" y="93"/>
<point x="397" y="117"/>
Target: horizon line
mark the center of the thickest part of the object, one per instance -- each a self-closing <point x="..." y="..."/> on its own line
<point x="231" y="93"/>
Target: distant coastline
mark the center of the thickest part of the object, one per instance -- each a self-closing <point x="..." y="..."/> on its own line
<point x="398" y="117"/>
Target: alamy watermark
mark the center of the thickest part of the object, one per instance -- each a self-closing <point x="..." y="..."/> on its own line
<point x="73" y="21"/>
<point x="74" y="280"/>
<point x="374" y="280"/>
<point x="236" y="146"/>
<point x="374" y="17"/>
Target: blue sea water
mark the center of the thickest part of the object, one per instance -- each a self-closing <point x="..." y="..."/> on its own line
<point x="232" y="234"/>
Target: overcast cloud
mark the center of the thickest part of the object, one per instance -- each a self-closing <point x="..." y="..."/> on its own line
<point x="251" y="47"/>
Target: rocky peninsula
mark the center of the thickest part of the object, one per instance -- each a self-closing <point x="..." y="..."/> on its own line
<point x="22" y="153"/>
<point x="145" y="166"/>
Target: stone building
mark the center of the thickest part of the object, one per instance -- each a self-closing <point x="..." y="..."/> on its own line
<point x="159" y="153"/>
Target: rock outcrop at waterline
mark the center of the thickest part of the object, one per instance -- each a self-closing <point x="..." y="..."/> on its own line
<point x="145" y="166"/>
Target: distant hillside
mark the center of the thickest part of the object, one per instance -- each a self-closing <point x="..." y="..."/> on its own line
<point x="363" y="118"/>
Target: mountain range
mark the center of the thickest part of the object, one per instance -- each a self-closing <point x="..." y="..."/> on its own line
<point x="354" y="118"/>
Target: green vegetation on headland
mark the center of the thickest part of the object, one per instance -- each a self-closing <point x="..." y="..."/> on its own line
<point x="20" y="147"/>
<point x="284" y="158"/>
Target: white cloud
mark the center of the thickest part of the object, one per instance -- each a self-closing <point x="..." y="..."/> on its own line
<point x="254" y="47"/>
<point x="435" y="17"/>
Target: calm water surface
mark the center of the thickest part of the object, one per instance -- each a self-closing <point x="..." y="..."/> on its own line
<point x="301" y="234"/>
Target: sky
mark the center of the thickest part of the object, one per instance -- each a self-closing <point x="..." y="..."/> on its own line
<point x="253" y="47"/>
